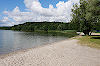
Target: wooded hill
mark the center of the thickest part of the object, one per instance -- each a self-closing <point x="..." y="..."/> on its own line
<point x="46" y="26"/>
<point x="32" y="26"/>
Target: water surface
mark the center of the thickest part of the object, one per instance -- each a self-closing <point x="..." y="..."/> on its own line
<point x="14" y="40"/>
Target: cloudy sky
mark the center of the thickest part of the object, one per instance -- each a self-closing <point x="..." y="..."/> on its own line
<point x="14" y="12"/>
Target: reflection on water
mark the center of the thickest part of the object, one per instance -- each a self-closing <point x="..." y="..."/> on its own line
<point x="14" y="40"/>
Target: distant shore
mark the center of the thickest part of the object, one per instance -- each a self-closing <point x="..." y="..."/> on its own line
<point x="62" y="53"/>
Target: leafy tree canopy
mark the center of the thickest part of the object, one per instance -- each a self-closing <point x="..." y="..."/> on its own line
<point x="86" y="15"/>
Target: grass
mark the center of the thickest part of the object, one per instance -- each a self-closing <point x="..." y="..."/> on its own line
<point x="91" y="41"/>
<point x="66" y="33"/>
<point x="97" y="32"/>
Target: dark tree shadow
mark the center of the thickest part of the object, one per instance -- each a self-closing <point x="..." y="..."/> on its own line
<point x="91" y="35"/>
<point x="95" y="37"/>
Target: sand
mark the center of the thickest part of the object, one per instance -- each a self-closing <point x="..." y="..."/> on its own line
<point x="62" y="53"/>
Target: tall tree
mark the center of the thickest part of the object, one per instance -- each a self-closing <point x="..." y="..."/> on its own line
<point x="86" y="15"/>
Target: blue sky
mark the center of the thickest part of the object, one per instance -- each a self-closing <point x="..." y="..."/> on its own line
<point x="11" y="4"/>
<point x="46" y="3"/>
<point x="18" y="11"/>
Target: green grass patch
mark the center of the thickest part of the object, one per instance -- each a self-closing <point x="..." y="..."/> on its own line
<point x="91" y="41"/>
<point x="97" y="32"/>
<point x="66" y="33"/>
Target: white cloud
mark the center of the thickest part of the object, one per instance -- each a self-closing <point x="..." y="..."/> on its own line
<point x="38" y="13"/>
<point x="5" y="19"/>
<point x="6" y="22"/>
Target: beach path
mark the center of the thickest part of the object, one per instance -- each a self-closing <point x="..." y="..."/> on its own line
<point x="62" y="53"/>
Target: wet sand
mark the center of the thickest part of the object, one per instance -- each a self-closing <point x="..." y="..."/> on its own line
<point x="63" y="53"/>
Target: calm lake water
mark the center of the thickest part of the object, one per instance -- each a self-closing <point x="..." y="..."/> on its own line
<point x="14" y="40"/>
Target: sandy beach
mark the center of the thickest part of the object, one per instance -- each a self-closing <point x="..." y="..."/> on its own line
<point x="62" y="53"/>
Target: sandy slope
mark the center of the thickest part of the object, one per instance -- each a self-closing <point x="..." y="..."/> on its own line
<point x="64" y="53"/>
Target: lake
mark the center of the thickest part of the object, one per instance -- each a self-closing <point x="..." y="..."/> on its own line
<point x="15" y="40"/>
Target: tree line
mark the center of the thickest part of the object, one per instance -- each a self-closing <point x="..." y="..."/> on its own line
<point x="45" y="26"/>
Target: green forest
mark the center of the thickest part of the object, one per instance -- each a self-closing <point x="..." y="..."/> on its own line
<point x="44" y="26"/>
<point x="47" y="26"/>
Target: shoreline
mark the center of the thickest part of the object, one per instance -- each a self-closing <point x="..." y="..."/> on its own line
<point x="2" y="56"/>
<point x="63" y="53"/>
